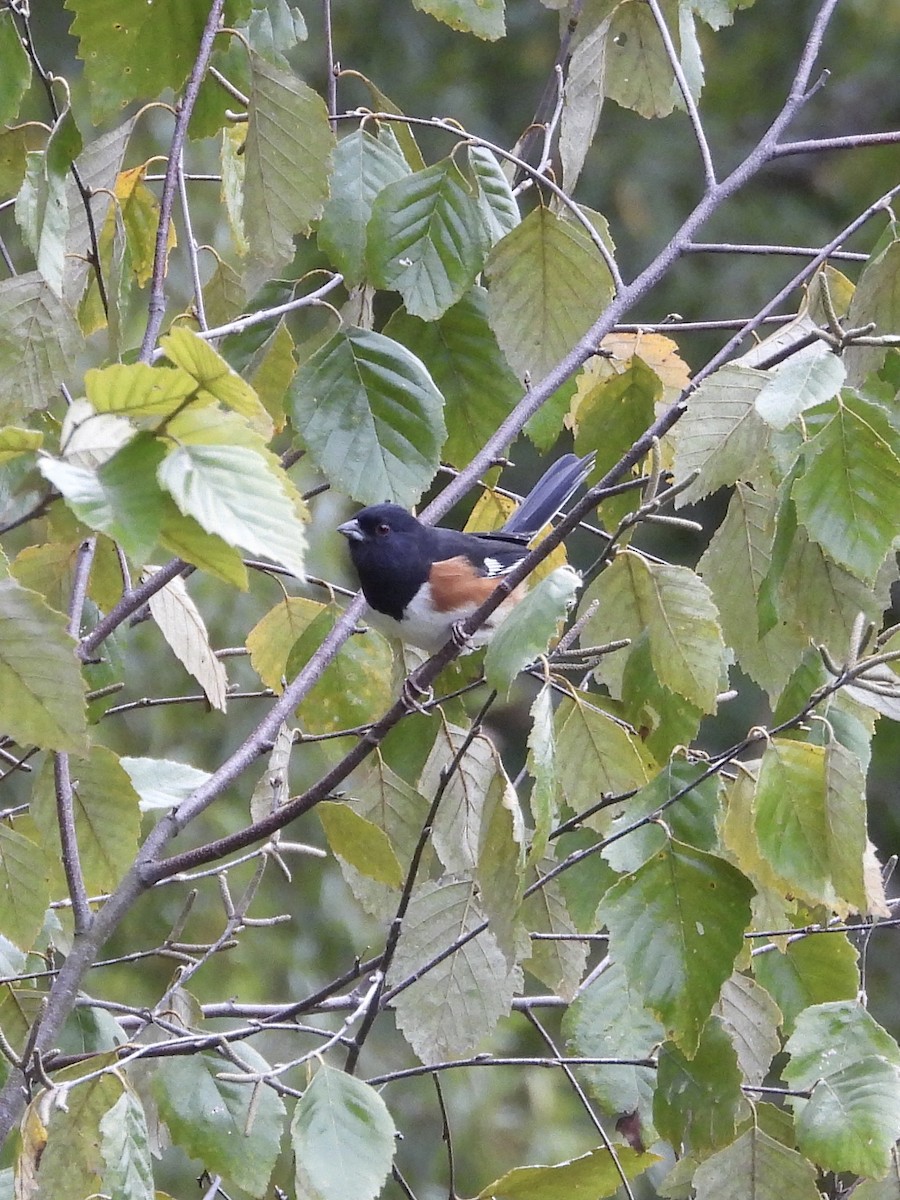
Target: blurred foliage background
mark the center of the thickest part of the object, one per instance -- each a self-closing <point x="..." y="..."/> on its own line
<point x="643" y="176"/>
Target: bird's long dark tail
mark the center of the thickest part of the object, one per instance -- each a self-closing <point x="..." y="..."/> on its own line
<point x="549" y="494"/>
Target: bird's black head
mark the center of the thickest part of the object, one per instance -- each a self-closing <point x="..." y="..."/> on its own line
<point x="387" y="548"/>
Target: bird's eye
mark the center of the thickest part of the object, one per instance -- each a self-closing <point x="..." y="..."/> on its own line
<point x="382" y="529"/>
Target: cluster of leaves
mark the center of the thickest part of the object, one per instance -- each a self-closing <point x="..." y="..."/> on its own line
<point x="723" y="885"/>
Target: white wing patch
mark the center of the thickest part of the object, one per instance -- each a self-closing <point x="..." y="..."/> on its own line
<point x="493" y="566"/>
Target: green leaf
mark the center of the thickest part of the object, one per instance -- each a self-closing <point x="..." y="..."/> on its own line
<point x="360" y="843"/>
<point x="676" y="925"/>
<point x="461" y="354"/>
<point x="852" y="1119"/>
<point x="457" y="1003"/>
<point x="526" y="633"/>
<point x="287" y="152"/>
<point x="676" y="609"/>
<point x="691" y="819"/>
<point x="125" y="1146"/>
<point x="208" y="1117"/>
<point x="231" y="491"/>
<point x="162" y="783"/>
<point x="830" y="1037"/>
<point x="664" y="718"/>
<point x="371" y="416"/>
<point x="271" y="639"/>
<point x="214" y="378"/>
<point x="123" y="499"/>
<point x="596" y="1173"/>
<point x="70" y="1166"/>
<point x="876" y="299"/>
<point x="752" y="1019"/>
<point x="343" y="1139"/>
<point x="756" y="1167"/>
<point x="15" y="442"/>
<point x="559" y="960"/>
<point x="735" y="566"/>
<point x="596" y="754"/>
<point x="614" y="411"/>
<point x="24" y="890"/>
<point x="132" y="50"/>
<point x="15" y="69"/>
<point x="501" y="858"/>
<point x="608" y="1020"/>
<point x="107" y="817"/>
<point x="811" y="971"/>
<point x="363" y="166"/>
<point x="496" y="199"/>
<point x="849" y="494"/>
<point x="810" y="821"/>
<point x="809" y="377"/>
<point x="541" y="766"/>
<point x="137" y="390"/>
<point x="38" y="344"/>
<point x="721" y="435"/>
<point x="698" y="1101"/>
<point x="458" y="825"/>
<point x="38" y="667"/>
<point x="638" y="74"/>
<point x="548" y="284"/>
<point x="356" y="683"/>
<point x="427" y="239"/>
<point x="484" y="18"/>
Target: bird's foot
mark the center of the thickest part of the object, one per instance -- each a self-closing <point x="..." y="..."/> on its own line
<point x="415" y="698"/>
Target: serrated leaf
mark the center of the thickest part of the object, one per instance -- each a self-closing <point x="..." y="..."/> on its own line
<point x="273" y="787"/>
<point x="849" y="494"/>
<point x="24" y="891"/>
<point x="208" y="1116"/>
<point x="16" y="73"/>
<point x="40" y="680"/>
<point x="676" y="609"/>
<point x="699" y="1101"/>
<point x="137" y="390"/>
<point x="42" y="211"/>
<point x="735" y="566"/>
<point x="721" y="435"/>
<point x="457" y="828"/>
<point x="182" y="626"/>
<point x="852" y="1119"/>
<point x="343" y="1139"/>
<point x="360" y="843"/>
<point x="611" y="412"/>
<point x="38" y="344"/>
<point x="161" y="782"/>
<point x="272" y="637"/>
<point x="107" y="816"/>
<point x="65" y="1157"/>
<point x="638" y="73"/>
<point x="541" y="766"/>
<point x="461" y="354"/>
<point x="548" y="284"/>
<point x="371" y="416"/>
<point x="752" y="1019"/>
<point x="677" y="947"/>
<point x="811" y="971"/>
<point x="810" y="821"/>
<point x="214" y="377"/>
<point x="558" y="960"/>
<point x="231" y="491"/>
<point x="496" y="199"/>
<point x="426" y="239"/>
<point x="287" y="153"/>
<point x="501" y="858"/>
<point x="876" y="299"/>
<point x="583" y="94"/>
<point x="132" y="50"/>
<point x="122" y="499"/>
<point x="125" y="1146"/>
<point x="756" y="1167"/>
<point x="593" y="1174"/>
<point x="363" y="166"/>
<point x="809" y="377"/>
<point x="526" y="633"/>
<point x="484" y="18"/>
<point x="456" y="1003"/>
<point x="663" y="718"/>
<point x="830" y="1037"/>
<point x="596" y="754"/>
<point x="89" y="439"/>
<point x="139" y="212"/>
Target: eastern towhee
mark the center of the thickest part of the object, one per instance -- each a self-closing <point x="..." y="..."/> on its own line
<point x="420" y="580"/>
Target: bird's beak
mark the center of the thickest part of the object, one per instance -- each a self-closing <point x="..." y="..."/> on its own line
<point x="351" y="531"/>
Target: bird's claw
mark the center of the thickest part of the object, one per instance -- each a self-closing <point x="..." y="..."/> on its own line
<point x="458" y="635"/>
<point x="414" y="698"/>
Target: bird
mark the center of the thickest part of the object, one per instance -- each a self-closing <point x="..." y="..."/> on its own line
<point x="421" y="580"/>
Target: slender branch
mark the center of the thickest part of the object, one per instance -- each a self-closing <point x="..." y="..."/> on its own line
<point x="190" y="243"/>
<point x="156" y="307"/>
<point x="71" y="860"/>
<point x="709" y="171"/>
<point x="854" y="141"/>
<point x="129" y="605"/>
